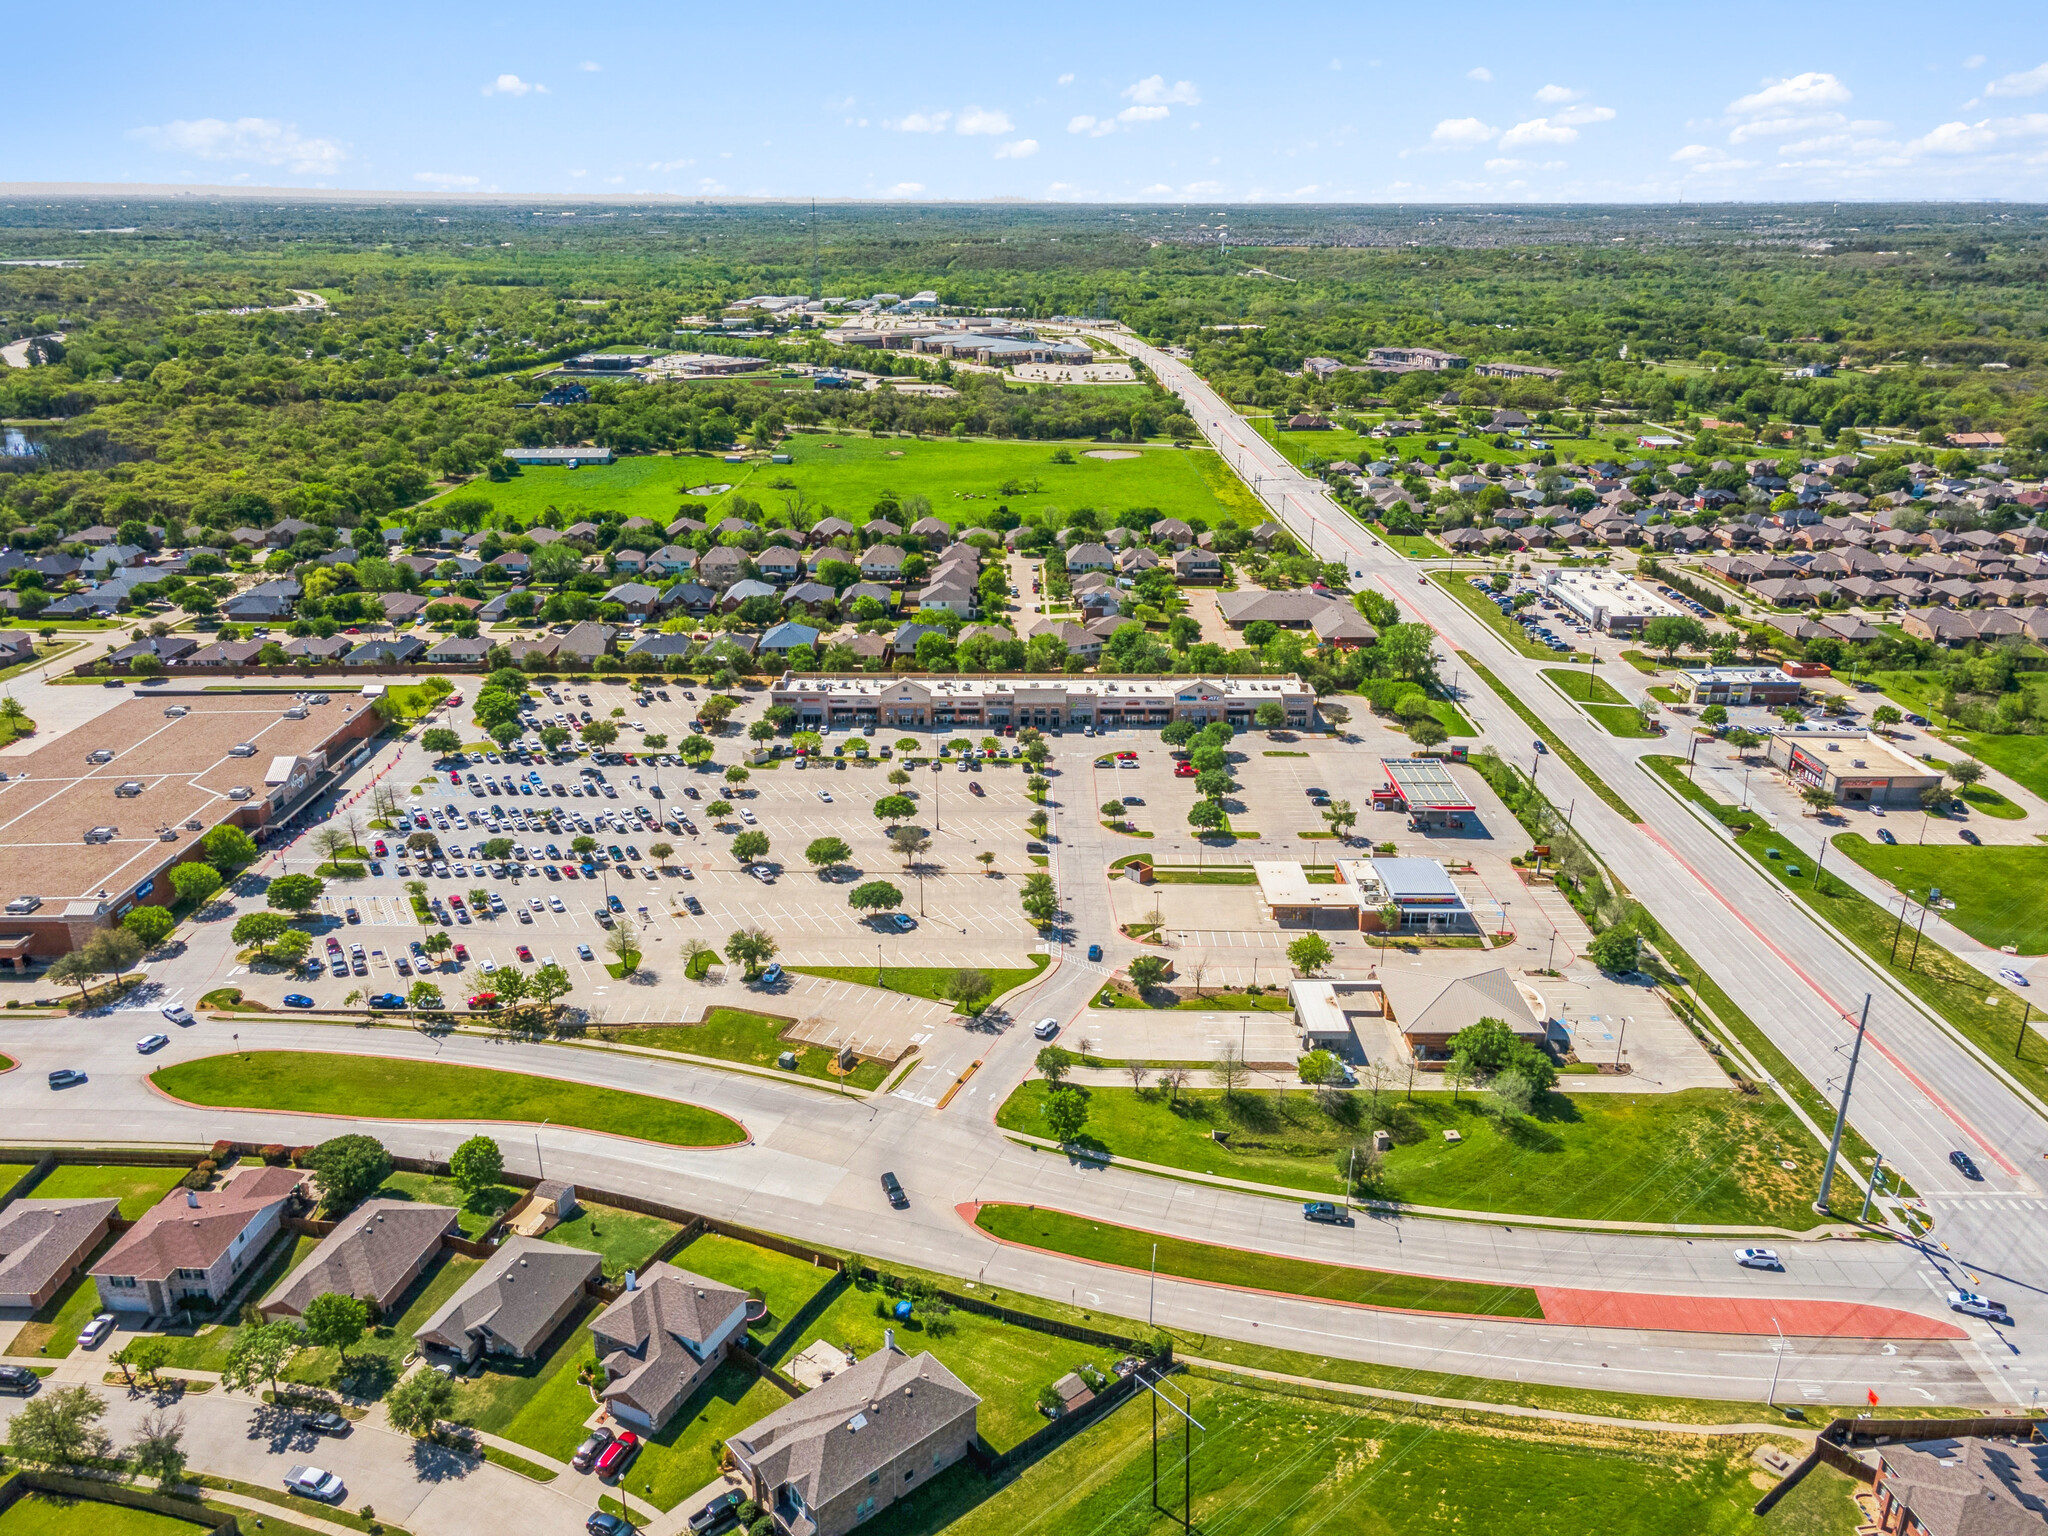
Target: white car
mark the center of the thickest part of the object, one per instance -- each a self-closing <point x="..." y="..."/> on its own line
<point x="1045" y="1029"/>
<point x="177" y="1013"/>
<point x="536" y="903"/>
<point x="555" y="904"/>
<point x="1758" y="1258"/>
<point x="2012" y="977"/>
<point x="313" y="1483"/>
<point x="747" y="816"/>
<point x="825" y="795"/>
<point x="92" y="1333"/>
<point x="150" y="1043"/>
<point x="1978" y="1306"/>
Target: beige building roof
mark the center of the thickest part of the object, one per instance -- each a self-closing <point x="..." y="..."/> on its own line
<point x="373" y="1253"/>
<point x="1428" y="1006"/>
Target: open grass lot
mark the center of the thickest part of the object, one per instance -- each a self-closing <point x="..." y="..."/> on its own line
<point x="785" y="1284"/>
<point x="1284" y="1465"/>
<point x="1009" y="1366"/>
<point x="2021" y="758"/>
<point x="733" y="1034"/>
<point x="12" y="1174"/>
<point x="1621" y="720"/>
<point x="476" y="1214"/>
<point x="1986" y="1012"/>
<point x="921" y="981"/>
<point x="848" y="473"/>
<point x="1582" y="686"/>
<point x="46" y="1514"/>
<point x="138" y="1188"/>
<point x="387" y="1088"/>
<point x="625" y="1238"/>
<point x="1700" y="1156"/>
<point x="1997" y="890"/>
<point x="1132" y="1248"/>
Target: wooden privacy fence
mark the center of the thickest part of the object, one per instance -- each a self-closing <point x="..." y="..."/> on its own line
<point x="23" y="1482"/>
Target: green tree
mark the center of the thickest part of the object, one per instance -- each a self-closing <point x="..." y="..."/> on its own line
<point x="290" y="947"/>
<point x="1215" y="783"/>
<point x="1040" y="897"/>
<point x="1147" y="972"/>
<point x="1489" y="1048"/>
<point x="1714" y="714"/>
<point x="419" y="1403"/>
<point x="1066" y="1113"/>
<point x="74" y="968"/>
<point x="874" y="896"/>
<point x="228" y="849"/>
<point x="1427" y="733"/>
<point x="257" y="929"/>
<point x="350" y="1168"/>
<point x="1617" y="951"/>
<point x="827" y="853"/>
<point x="623" y="942"/>
<point x="1882" y="716"/>
<point x="441" y="741"/>
<point x="335" y="1320"/>
<point x="895" y="808"/>
<point x="59" y="1427"/>
<point x="600" y="733"/>
<point x="968" y="989"/>
<point x="1671" y="632"/>
<point x="1319" y="1066"/>
<point x="295" y="893"/>
<point x="476" y="1165"/>
<point x="1270" y="716"/>
<point x="193" y="881"/>
<point x="1310" y="953"/>
<point x="750" y="949"/>
<point x="1054" y="1062"/>
<point x="1205" y="815"/>
<point x="1967" y="772"/>
<point x="750" y="846"/>
<point x="150" y="925"/>
<point x="258" y="1353"/>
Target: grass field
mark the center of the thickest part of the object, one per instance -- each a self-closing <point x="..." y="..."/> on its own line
<point x="1551" y="739"/>
<point x="1132" y="1248"/>
<point x="138" y="1188"/>
<point x="625" y="1238"/>
<point x="12" y="1174"/>
<point x="1582" y="686"/>
<point x="1997" y="890"/>
<point x="2021" y="758"/>
<point x="733" y="1034"/>
<point x="45" y="1514"/>
<point x="379" y="1087"/>
<point x="475" y="1214"/>
<point x="1701" y="1156"/>
<point x="921" y="981"/>
<point x="1621" y="720"/>
<point x="1276" y="1464"/>
<point x="786" y="1284"/>
<point x="848" y="473"/>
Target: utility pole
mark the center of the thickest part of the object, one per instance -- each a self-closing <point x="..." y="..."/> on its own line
<point x="1870" y="1189"/>
<point x="1933" y="895"/>
<point x="1777" y="1359"/>
<point x="1153" y="1292"/>
<point x="1827" y="1174"/>
<point x="2026" y="1012"/>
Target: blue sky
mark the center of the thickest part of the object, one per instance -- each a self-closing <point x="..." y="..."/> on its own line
<point x="1307" y="102"/>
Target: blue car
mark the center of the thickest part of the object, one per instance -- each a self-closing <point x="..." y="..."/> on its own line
<point x="297" y="1000"/>
<point x="1094" y="951"/>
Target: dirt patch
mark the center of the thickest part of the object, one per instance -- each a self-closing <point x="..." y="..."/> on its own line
<point x="1109" y="453"/>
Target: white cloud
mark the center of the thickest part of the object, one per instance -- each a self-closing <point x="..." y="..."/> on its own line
<point x="1094" y="127"/>
<point x="1480" y="73"/>
<point x="1796" y="93"/>
<point x="1067" y="78"/>
<point x="1143" y="114"/>
<point x="1059" y="189"/>
<point x="711" y="186"/>
<point x="1538" y="130"/>
<point x="1975" y="138"/>
<point x="1202" y="188"/>
<point x="2030" y="82"/>
<point x="984" y="120"/>
<point x="1157" y="189"/>
<point x="512" y="85"/>
<point x="1974" y="61"/>
<point x="1555" y="95"/>
<point x="1578" y="117"/>
<point x="447" y="179"/>
<point x="921" y="122"/>
<point x="1017" y="149"/>
<point x="589" y="68"/>
<point x="1462" y="130"/>
<point x="1153" y="91"/>
<point x="1705" y="159"/>
<point x="669" y="165"/>
<point x="905" y="189"/>
<point x="258" y="140"/>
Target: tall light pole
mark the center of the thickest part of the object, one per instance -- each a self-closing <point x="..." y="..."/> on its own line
<point x="1777" y="1359"/>
<point x="1827" y="1174"/>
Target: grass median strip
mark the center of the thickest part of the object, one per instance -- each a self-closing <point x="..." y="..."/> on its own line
<point x="1571" y="759"/>
<point x="921" y="980"/>
<point x="394" y="1088"/>
<point x="1131" y="1248"/>
<point x="734" y="1034"/>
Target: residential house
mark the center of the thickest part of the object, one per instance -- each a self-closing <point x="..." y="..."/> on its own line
<point x="786" y="637"/>
<point x="402" y="607"/>
<point x="586" y="642"/>
<point x="661" y="648"/>
<point x="631" y="561"/>
<point x="1343" y="626"/>
<point x="385" y="653"/>
<point x="933" y="532"/>
<point x="722" y="566"/>
<point x="683" y="527"/>
<point x="951" y="596"/>
<point x="190" y="1249"/>
<point x="692" y="597"/>
<point x="1089" y="557"/>
<point x="636" y="597"/>
<point x="374" y="1253"/>
<point x="908" y="633"/>
<point x="1297" y="609"/>
<point x="166" y="648"/>
<point x="510" y="1306"/>
<point x="313" y="648"/>
<point x="881" y="562"/>
<point x="875" y="1432"/>
<point x="1171" y="530"/>
<point x="1078" y="639"/>
<point x="513" y="563"/>
<point x="224" y="653"/>
<point x="1193" y="565"/>
<point x="812" y="595"/>
<point x="1136" y="560"/>
<point x="673" y="560"/>
<point x="459" y="651"/>
<point x="826" y="529"/>
<point x="42" y="1244"/>
<point x="731" y="527"/>
<point x="588" y="532"/>
<point x="877" y="530"/>
<point x="778" y="563"/>
<point x="886" y="596"/>
<point x="740" y="591"/>
<point x="494" y="611"/>
<point x="267" y="600"/>
<point x="661" y="1340"/>
<point x="1965" y="1485"/>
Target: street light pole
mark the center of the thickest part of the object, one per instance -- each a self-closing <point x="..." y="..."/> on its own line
<point x="1152" y="1292"/>
<point x="1870" y="1189"/>
<point x="1777" y="1359"/>
<point x="1827" y="1174"/>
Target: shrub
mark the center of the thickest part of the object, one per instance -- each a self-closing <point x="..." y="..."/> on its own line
<point x="273" y="1153"/>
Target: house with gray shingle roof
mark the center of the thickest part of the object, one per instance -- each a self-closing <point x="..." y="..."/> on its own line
<point x="42" y="1243"/>
<point x="661" y="1340"/>
<point x="521" y="1295"/>
<point x="375" y="1252"/>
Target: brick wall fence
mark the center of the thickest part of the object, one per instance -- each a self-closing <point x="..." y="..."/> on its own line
<point x="23" y="1482"/>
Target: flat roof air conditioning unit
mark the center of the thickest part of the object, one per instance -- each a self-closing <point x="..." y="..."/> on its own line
<point x="21" y="906"/>
<point x="175" y="711"/>
<point x="128" y="789"/>
<point x="297" y="712"/>
<point x="101" y="834"/>
<point x="240" y="792"/>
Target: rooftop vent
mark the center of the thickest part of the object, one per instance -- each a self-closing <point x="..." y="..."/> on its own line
<point x="320" y="698"/>
<point x="242" y="749"/>
<point x="128" y="789"/>
<point x="175" y="711"/>
<point x="195" y="825"/>
<point x="240" y="792"/>
<point x="297" y="712"/>
<point x="166" y="835"/>
<point x="101" y="834"/>
<point x="21" y="906"/>
<point x="104" y="755"/>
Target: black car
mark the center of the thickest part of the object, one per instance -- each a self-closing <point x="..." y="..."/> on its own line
<point x="1323" y="1210"/>
<point x="718" y="1514"/>
<point x="19" y="1381"/>
<point x="602" y="1524"/>
<point x="696" y="907"/>
<point x="894" y="1190"/>
<point x="329" y="1423"/>
<point x="1965" y="1167"/>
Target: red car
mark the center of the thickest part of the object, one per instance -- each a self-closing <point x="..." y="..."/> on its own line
<point x="1183" y="770"/>
<point x="484" y="1000"/>
<point x="569" y="872"/>
<point x="379" y="846"/>
<point x="618" y="1456"/>
<point x="462" y="954"/>
<point x="525" y="954"/>
<point x="454" y="777"/>
<point x="454" y="901"/>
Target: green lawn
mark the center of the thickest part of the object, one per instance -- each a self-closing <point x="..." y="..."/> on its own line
<point x="508" y="1388"/>
<point x="1119" y="995"/>
<point x="684" y="1456"/>
<point x="1550" y="738"/>
<point x="733" y="1034"/>
<point x="1702" y="1156"/>
<point x="1621" y="720"/>
<point x="921" y="981"/>
<point x="375" y="1362"/>
<point x="138" y="1188"/>
<point x="391" y="1088"/>
<point x="2022" y="758"/>
<point x="1583" y="686"/>
<point x="12" y="1174"/>
<point x="1134" y="1248"/>
<point x="625" y="1238"/>
<point x="1275" y="1464"/>
<point x="45" y="1514"/>
<point x="1451" y="718"/>
<point x="475" y="1213"/>
<point x="205" y="1348"/>
<point x="848" y="473"/>
<point x="1009" y="1366"/>
<point x="1997" y="890"/>
<point x="1984" y="798"/>
<point x="1414" y="546"/>
<point x="52" y="1330"/>
<point x="786" y="1284"/>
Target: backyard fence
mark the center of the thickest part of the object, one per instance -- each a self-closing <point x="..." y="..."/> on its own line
<point x="1836" y="1445"/>
<point x="21" y="1483"/>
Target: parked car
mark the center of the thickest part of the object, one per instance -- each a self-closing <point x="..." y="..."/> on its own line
<point x="386" y="1000"/>
<point x="1971" y="1303"/>
<point x="92" y="1333"/>
<point x="149" y="1043"/>
<point x="297" y="1000"/>
<point x="1045" y="1029"/>
<point x="718" y="1514"/>
<point x="314" y="1483"/>
<point x="329" y="1423"/>
<point x="1326" y="1212"/>
<point x="1965" y="1167"/>
<point x="773" y="975"/>
<point x="19" y="1381"/>
<point x="602" y="1524"/>
<point x="1758" y="1258"/>
<point x="1094" y="951"/>
<point x="592" y="1448"/>
<point x="1884" y="835"/>
<point x="893" y="1188"/>
<point x="583" y="952"/>
<point x="2012" y="977"/>
<point x="902" y="922"/>
<point x="618" y="1456"/>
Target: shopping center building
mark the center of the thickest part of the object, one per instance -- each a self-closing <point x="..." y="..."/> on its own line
<point x="1048" y="702"/>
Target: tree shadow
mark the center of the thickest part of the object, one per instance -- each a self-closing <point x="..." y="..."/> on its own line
<point x="280" y="1428"/>
<point x="433" y="1462"/>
